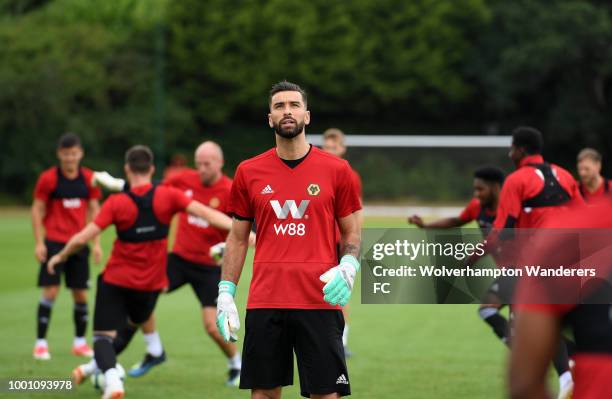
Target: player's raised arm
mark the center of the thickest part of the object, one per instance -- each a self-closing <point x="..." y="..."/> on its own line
<point x="214" y="217"/>
<point x="76" y="242"/>
<point x="39" y="208"/>
<point x="441" y="223"/>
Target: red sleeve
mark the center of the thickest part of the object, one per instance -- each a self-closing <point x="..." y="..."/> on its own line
<point x="471" y="211"/>
<point x="239" y="202"/>
<point x="510" y="202"/>
<point x="550" y="308"/>
<point x="172" y="180"/>
<point x="94" y="192"/>
<point x="106" y="216"/>
<point x="45" y="186"/>
<point x="347" y="196"/>
<point x="179" y="200"/>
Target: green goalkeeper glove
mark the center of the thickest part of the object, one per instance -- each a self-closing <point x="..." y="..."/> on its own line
<point x="339" y="281"/>
<point x="228" y="321"/>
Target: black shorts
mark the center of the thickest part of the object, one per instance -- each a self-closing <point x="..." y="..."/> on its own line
<point x="204" y="279"/>
<point x="271" y="337"/>
<point x="115" y="305"/>
<point x="503" y="288"/>
<point x="75" y="269"/>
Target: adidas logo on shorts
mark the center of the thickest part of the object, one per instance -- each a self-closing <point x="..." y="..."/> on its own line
<point x="267" y="190"/>
<point x="342" y="380"/>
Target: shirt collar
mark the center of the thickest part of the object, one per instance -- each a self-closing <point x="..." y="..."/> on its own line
<point x="531" y="159"/>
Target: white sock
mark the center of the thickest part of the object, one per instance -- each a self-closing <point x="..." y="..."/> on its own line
<point x="41" y="342"/>
<point x="112" y="377"/>
<point x="235" y="362"/>
<point x="78" y="341"/>
<point x="154" y="345"/>
<point x="91" y="367"/>
<point x="345" y="335"/>
<point x="565" y="380"/>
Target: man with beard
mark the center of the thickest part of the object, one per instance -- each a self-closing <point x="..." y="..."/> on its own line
<point x="297" y="193"/>
<point x="592" y="184"/>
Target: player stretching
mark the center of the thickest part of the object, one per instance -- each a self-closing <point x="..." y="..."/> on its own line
<point x="190" y="261"/>
<point x="535" y="191"/>
<point x="297" y="193"/>
<point x="592" y="184"/>
<point x="482" y="208"/>
<point x="64" y="200"/>
<point x="333" y="142"/>
<point x="135" y="274"/>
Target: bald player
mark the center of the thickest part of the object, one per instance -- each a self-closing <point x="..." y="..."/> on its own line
<point x="334" y="143"/>
<point x="190" y="262"/>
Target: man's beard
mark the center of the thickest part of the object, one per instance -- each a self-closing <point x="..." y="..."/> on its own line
<point x="289" y="133"/>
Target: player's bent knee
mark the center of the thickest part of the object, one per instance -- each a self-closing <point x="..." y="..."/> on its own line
<point x="104" y="334"/>
<point x="50" y="292"/>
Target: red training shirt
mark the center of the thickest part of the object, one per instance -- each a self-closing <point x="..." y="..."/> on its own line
<point x="525" y="183"/>
<point x="66" y="212"/>
<point x="139" y="265"/>
<point x="194" y="235"/>
<point x="296" y="211"/>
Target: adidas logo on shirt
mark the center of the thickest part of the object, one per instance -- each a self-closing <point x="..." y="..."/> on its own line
<point x="267" y="190"/>
<point x="342" y="380"/>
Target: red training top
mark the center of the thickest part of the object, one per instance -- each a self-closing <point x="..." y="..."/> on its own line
<point x="139" y="265"/>
<point x="66" y="201"/>
<point x="194" y="235"/>
<point x="296" y="210"/>
<point x="524" y="183"/>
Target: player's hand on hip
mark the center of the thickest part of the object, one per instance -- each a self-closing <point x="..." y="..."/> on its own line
<point x="339" y="281"/>
<point x="40" y="252"/>
<point x="228" y="321"/>
<point x="97" y="254"/>
<point x="53" y="262"/>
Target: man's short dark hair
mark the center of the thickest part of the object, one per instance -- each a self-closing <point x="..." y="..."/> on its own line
<point x="68" y="140"/>
<point x="286" y="86"/>
<point x="528" y="138"/>
<point x="490" y="174"/>
<point x="139" y="158"/>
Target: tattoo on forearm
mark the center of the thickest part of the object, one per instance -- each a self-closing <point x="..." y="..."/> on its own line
<point x="350" y="249"/>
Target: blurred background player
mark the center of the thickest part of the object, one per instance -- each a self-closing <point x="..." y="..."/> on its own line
<point x="537" y="327"/>
<point x="334" y="143"/>
<point x="298" y="194"/>
<point x="135" y="274"/>
<point x="190" y="261"/>
<point x="64" y="200"/>
<point x="592" y="184"/>
<point x="482" y="208"/>
<point x="536" y="190"/>
<point x="178" y="164"/>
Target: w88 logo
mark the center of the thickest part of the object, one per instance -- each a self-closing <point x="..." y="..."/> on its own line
<point x="290" y="229"/>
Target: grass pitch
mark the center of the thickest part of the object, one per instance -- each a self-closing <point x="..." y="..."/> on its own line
<point x="400" y="351"/>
